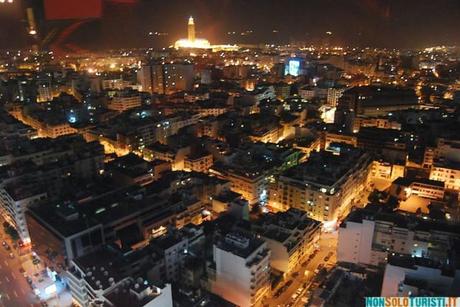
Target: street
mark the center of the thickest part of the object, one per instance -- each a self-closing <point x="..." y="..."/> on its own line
<point x="14" y="289"/>
<point x="328" y="243"/>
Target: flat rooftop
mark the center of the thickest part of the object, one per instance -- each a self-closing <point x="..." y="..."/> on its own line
<point x="240" y="244"/>
<point x="399" y="219"/>
<point x="325" y="168"/>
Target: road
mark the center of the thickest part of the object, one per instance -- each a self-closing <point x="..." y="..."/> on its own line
<point x="14" y="289"/>
<point x="327" y="243"/>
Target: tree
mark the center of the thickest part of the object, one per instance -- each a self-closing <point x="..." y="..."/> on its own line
<point x="10" y="231"/>
<point x="393" y="203"/>
<point x="373" y="197"/>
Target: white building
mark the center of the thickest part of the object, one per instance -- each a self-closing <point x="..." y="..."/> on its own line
<point x="448" y="172"/>
<point x="291" y="236"/>
<point x="130" y="293"/>
<point x="124" y="102"/>
<point x="404" y="187"/>
<point x="407" y="276"/>
<point x="96" y="280"/>
<point x="448" y="149"/>
<point x="367" y="236"/>
<point x="14" y="200"/>
<point x="242" y="269"/>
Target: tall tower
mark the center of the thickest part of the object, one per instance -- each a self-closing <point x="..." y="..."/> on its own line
<point x="191" y="29"/>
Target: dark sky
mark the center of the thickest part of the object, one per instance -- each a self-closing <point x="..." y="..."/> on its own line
<point x="381" y="23"/>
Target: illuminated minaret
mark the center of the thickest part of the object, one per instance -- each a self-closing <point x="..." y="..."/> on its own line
<point x="191" y="29"/>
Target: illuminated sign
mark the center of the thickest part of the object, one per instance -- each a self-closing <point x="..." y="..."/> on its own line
<point x="293" y="67"/>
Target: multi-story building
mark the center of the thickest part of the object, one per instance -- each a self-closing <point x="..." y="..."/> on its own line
<point x="448" y="149"/>
<point x="373" y="101"/>
<point x="175" y="155"/>
<point x="110" y="278"/>
<point x="386" y="170"/>
<point x="331" y="137"/>
<point x="367" y="236"/>
<point x="60" y="233"/>
<point x="330" y="94"/>
<point x="132" y="132"/>
<point x="200" y="163"/>
<point x="145" y="76"/>
<point x="325" y="186"/>
<point x="267" y="134"/>
<point x="41" y="150"/>
<point x="291" y="236"/>
<point x="377" y="122"/>
<point x="74" y="159"/>
<point x="48" y="124"/>
<point x="253" y="167"/>
<point x="404" y="187"/>
<point x="242" y="269"/>
<point x="446" y="171"/>
<point x="14" y="201"/>
<point x="307" y="145"/>
<point x="251" y="184"/>
<point x="11" y="127"/>
<point x="101" y="212"/>
<point x="27" y="181"/>
<point x="174" y="249"/>
<point x="407" y="276"/>
<point x="132" y="169"/>
<point x="125" y="100"/>
<point x="333" y="95"/>
<point x="166" y="78"/>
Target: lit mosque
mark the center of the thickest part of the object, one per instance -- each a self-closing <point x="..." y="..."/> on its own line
<point x="192" y="41"/>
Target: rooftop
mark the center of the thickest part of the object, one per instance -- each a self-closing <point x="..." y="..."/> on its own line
<point x="405" y="181"/>
<point x="399" y="219"/>
<point x="240" y="244"/>
<point x="326" y="168"/>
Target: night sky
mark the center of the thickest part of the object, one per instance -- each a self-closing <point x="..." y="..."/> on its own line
<point x="126" y="23"/>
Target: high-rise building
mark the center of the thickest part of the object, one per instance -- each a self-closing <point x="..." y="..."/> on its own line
<point x="150" y="78"/>
<point x="166" y="78"/>
<point x="242" y="269"/>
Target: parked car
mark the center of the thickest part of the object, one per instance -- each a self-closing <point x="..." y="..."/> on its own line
<point x="278" y="292"/>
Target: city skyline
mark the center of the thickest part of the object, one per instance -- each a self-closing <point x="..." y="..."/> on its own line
<point x="229" y="153"/>
<point x="374" y="23"/>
